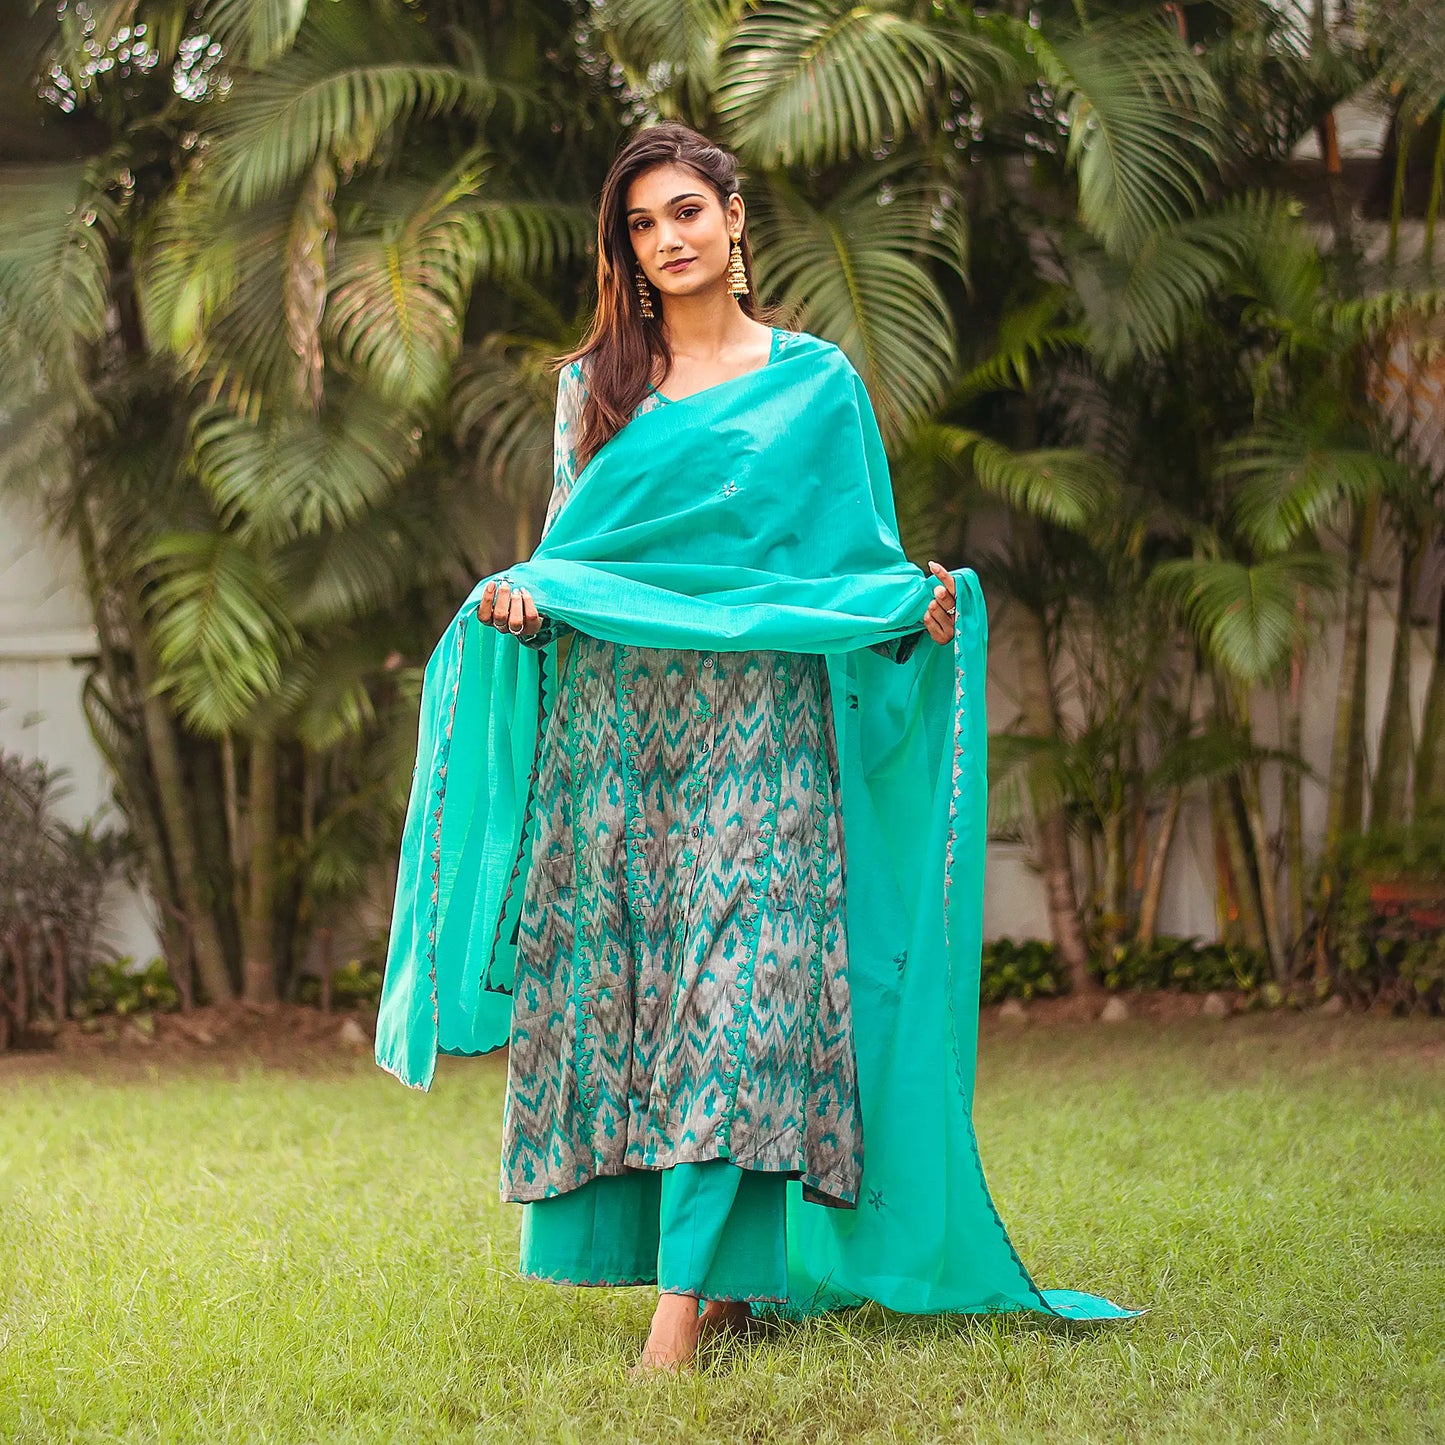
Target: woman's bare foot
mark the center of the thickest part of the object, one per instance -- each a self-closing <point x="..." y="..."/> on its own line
<point x="672" y="1341"/>
<point x="723" y="1317"/>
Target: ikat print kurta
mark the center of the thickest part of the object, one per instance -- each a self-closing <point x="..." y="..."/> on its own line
<point x="682" y="968"/>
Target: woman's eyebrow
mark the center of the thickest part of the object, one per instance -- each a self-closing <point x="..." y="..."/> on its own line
<point x="684" y="196"/>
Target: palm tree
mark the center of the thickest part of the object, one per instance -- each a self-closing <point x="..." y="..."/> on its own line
<point x="270" y="514"/>
<point x="279" y="282"/>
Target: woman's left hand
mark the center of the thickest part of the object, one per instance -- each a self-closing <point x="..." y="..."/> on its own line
<point x="942" y="610"/>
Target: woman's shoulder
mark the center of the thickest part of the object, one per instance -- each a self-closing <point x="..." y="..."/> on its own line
<point x="799" y="342"/>
<point x="571" y="374"/>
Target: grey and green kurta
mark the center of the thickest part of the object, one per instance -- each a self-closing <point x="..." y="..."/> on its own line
<point x="682" y="961"/>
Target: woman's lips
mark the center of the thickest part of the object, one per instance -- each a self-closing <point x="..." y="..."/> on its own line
<point x="678" y="265"/>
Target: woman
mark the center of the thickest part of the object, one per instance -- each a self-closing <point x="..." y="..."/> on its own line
<point x="685" y="1102"/>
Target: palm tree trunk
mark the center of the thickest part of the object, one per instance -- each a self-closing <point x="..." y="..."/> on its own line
<point x="1152" y="893"/>
<point x="1430" y="760"/>
<point x="1242" y="922"/>
<point x="1345" y="810"/>
<point x="259" y="960"/>
<point x="1291" y="810"/>
<point x="1390" y="799"/>
<point x="1114" y="880"/>
<point x="128" y="765"/>
<point x="165" y="758"/>
<point x="1039" y="717"/>
<point x="1264" y="868"/>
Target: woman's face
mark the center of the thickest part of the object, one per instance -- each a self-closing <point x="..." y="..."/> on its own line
<point x="673" y="216"/>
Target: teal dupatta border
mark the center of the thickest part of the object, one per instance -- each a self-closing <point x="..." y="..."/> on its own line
<point x="756" y="515"/>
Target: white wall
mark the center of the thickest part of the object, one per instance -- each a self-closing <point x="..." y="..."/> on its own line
<point x="45" y="638"/>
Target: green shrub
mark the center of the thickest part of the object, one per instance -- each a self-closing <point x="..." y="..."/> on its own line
<point x="1020" y="970"/>
<point x="1031" y="969"/>
<point x="121" y="989"/>
<point x="1186" y="964"/>
<point x="353" y="985"/>
<point x="1384" y="935"/>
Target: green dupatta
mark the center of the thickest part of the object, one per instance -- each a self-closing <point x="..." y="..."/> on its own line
<point x="756" y="514"/>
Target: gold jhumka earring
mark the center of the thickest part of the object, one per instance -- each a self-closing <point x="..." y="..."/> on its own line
<point x="737" y="276"/>
<point x="644" y="294"/>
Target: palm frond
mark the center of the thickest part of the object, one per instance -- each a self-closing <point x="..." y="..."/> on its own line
<point x="1292" y="479"/>
<point x="219" y="626"/>
<point x="37" y="435"/>
<point x="1140" y="304"/>
<point x="1025" y="335"/>
<point x="251" y="32"/>
<point x="56" y="225"/>
<point x="213" y="290"/>
<point x="1031" y="776"/>
<point x="1245" y="617"/>
<point x="811" y="82"/>
<point x="394" y="317"/>
<point x="1410" y="42"/>
<point x="1222" y="751"/>
<point x="517" y="237"/>
<point x="339" y="92"/>
<point x="294" y="473"/>
<point x="1281" y="72"/>
<point x="324" y="697"/>
<point x="502" y="413"/>
<point x="1369" y="318"/>
<point x="669" y="50"/>
<point x="1145" y="125"/>
<point x="365" y="567"/>
<point x="856" y="270"/>
<point x="1065" y="486"/>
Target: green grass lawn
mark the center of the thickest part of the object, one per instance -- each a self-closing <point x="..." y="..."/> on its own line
<point x="241" y="1253"/>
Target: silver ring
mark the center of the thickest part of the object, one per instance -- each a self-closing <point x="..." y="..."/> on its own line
<point x="951" y="610"/>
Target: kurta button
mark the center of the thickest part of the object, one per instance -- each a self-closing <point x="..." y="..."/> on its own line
<point x="707" y="662"/>
<point x="696" y="831"/>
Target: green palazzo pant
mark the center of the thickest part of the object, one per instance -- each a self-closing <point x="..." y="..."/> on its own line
<point x="711" y="1229"/>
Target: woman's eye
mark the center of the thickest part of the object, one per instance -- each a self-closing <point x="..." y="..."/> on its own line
<point x="688" y="211"/>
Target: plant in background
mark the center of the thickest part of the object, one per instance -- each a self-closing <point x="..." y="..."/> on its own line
<point x="357" y="984"/>
<point x="118" y="987"/>
<point x="241" y="250"/>
<point x="278" y="283"/>
<point x="1185" y="964"/>
<point x="52" y="880"/>
<point x="1021" y="970"/>
<point x="1386" y="927"/>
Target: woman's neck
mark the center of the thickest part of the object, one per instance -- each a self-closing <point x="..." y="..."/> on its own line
<point x="706" y="329"/>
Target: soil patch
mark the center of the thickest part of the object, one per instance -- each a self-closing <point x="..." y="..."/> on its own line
<point x="287" y="1036"/>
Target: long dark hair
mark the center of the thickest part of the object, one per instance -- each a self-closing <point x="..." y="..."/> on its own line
<point x="620" y="347"/>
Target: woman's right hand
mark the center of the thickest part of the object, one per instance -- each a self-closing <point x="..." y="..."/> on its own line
<point x="509" y="609"/>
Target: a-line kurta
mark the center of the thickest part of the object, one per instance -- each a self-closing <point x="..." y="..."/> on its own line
<point x="682" y="962"/>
